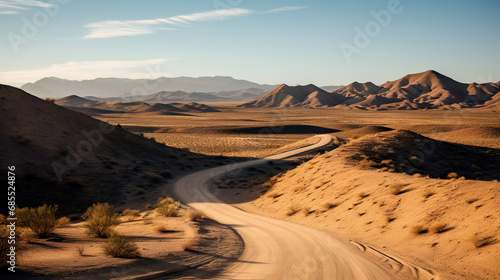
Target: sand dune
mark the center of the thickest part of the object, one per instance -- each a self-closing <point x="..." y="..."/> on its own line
<point x="425" y="90"/>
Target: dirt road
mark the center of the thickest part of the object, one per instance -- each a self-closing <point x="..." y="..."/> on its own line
<point x="276" y="249"/>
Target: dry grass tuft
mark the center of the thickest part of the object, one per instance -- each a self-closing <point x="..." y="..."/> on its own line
<point x="440" y="228"/>
<point x="329" y="205"/>
<point x="362" y="195"/>
<point x="130" y="214"/>
<point x="453" y="175"/>
<point x="396" y="189"/>
<point x="161" y="228"/>
<point x="274" y="195"/>
<point x="63" y="222"/>
<point x="366" y="163"/>
<point x="41" y="220"/>
<point x="194" y="215"/>
<point x="428" y="194"/>
<point x="419" y="229"/>
<point x="27" y="235"/>
<point x="292" y="210"/>
<point x="481" y="241"/>
<point x="306" y="211"/>
<point x="100" y="218"/>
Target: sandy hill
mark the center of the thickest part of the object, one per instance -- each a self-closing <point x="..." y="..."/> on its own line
<point x="71" y="159"/>
<point x="100" y="107"/>
<point x="248" y="93"/>
<point x="424" y="90"/>
<point x="296" y="96"/>
<point x="359" y="192"/>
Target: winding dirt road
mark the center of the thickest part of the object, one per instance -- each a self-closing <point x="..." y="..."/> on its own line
<point x="276" y="249"/>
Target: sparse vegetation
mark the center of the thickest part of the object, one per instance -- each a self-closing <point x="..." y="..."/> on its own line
<point x="419" y="229"/>
<point x="131" y="214"/>
<point x="362" y="195"/>
<point x="162" y="228"/>
<point x="27" y="235"/>
<point x="193" y="215"/>
<point x="168" y="207"/>
<point x="274" y="195"/>
<point x="118" y="246"/>
<point x="41" y="220"/>
<point x="366" y="163"/>
<point x="100" y="218"/>
<point x="453" y="175"/>
<point x="306" y="211"/>
<point x="440" y="228"/>
<point x="329" y="205"/>
<point x="481" y="241"/>
<point x="428" y="194"/>
<point x="63" y="222"/>
<point x="292" y="209"/>
<point x="396" y="189"/>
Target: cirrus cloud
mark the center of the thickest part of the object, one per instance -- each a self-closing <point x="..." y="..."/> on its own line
<point x="11" y="7"/>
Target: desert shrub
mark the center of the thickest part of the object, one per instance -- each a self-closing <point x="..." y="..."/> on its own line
<point x="453" y="175"/>
<point x="63" y="222"/>
<point x="366" y="163"/>
<point x="3" y="220"/>
<point x="194" y="215"/>
<point x="118" y="246"/>
<point x="439" y="228"/>
<point x="481" y="241"/>
<point x="419" y="229"/>
<point x="27" y="235"/>
<point x="396" y="189"/>
<point x="274" y="195"/>
<point x="362" y="195"/>
<point x="162" y="228"/>
<point x="306" y="211"/>
<point x="100" y="218"/>
<point x="292" y="209"/>
<point x="168" y="207"/>
<point x="130" y="214"/>
<point x="167" y="174"/>
<point x="41" y="220"/>
<point x="330" y="205"/>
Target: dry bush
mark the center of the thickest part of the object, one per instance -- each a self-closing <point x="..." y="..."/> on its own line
<point x="161" y="228"/>
<point x="396" y="189"/>
<point x="167" y="174"/>
<point x="366" y="163"/>
<point x="100" y="218"/>
<point x="168" y="207"/>
<point x="419" y="229"/>
<point x="63" y="222"/>
<point x="306" y="211"/>
<point x="42" y="220"/>
<point x="481" y="241"/>
<point x="329" y="205"/>
<point x="292" y="209"/>
<point x="117" y="246"/>
<point x="274" y="195"/>
<point x="453" y="175"/>
<point x="193" y="215"/>
<point x="440" y="228"/>
<point x="362" y="195"/>
<point x="130" y="214"/>
<point x="389" y="218"/>
<point x="190" y="243"/>
<point x="27" y="235"/>
<point x="80" y="249"/>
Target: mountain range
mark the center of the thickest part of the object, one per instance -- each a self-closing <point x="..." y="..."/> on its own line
<point x="426" y="90"/>
<point x="125" y="88"/>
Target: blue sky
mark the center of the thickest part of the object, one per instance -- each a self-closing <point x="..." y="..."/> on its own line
<point x="332" y="42"/>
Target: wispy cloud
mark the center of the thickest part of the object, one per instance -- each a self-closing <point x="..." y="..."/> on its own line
<point x="10" y="7"/>
<point x="118" y="28"/>
<point x="284" y="9"/>
<point x="88" y="70"/>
